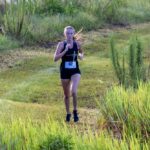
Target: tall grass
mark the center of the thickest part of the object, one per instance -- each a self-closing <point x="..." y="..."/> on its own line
<point x="128" y="110"/>
<point x="17" y="17"/>
<point x="51" y="28"/>
<point x="135" y="72"/>
<point x="26" y="135"/>
<point x="38" y="20"/>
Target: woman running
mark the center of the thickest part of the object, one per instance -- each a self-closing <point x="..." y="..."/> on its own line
<point x="69" y="50"/>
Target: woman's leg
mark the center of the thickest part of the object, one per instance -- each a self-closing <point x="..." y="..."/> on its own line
<point x="66" y="89"/>
<point x="75" y="79"/>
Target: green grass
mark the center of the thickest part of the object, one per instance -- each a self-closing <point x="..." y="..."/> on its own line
<point x="37" y="79"/>
<point x="11" y="111"/>
<point x="29" y="80"/>
<point x="32" y="109"/>
<point x="26" y="134"/>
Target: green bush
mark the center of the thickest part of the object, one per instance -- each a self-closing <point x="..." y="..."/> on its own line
<point x="8" y="43"/>
<point x="45" y="29"/>
<point x="111" y="11"/>
<point x="57" y="142"/>
<point x="85" y="20"/>
<point x="49" y="7"/>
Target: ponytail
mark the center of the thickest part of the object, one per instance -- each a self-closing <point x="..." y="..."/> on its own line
<point x="76" y="36"/>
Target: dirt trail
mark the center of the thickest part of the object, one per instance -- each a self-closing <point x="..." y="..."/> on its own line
<point x="10" y="58"/>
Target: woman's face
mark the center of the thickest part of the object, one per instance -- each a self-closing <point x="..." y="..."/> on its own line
<point x="69" y="33"/>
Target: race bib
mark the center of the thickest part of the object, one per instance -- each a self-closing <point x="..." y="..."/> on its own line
<point x="70" y="64"/>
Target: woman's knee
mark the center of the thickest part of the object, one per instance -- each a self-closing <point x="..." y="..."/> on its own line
<point x="66" y="97"/>
<point x="74" y="93"/>
<point x="66" y="93"/>
<point x="73" y="90"/>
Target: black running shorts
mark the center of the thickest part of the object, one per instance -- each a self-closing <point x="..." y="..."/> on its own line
<point x="67" y="73"/>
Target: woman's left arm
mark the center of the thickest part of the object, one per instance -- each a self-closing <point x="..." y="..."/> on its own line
<point x="80" y="55"/>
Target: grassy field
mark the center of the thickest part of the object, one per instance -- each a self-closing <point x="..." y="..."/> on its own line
<point x="31" y="98"/>
<point x="44" y="20"/>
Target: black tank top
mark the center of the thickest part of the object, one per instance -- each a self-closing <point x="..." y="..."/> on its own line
<point x="70" y="55"/>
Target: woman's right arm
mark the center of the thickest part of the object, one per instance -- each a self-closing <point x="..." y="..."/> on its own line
<point x="58" y="54"/>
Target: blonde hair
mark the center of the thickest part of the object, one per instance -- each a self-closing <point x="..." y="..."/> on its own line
<point x="76" y="36"/>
